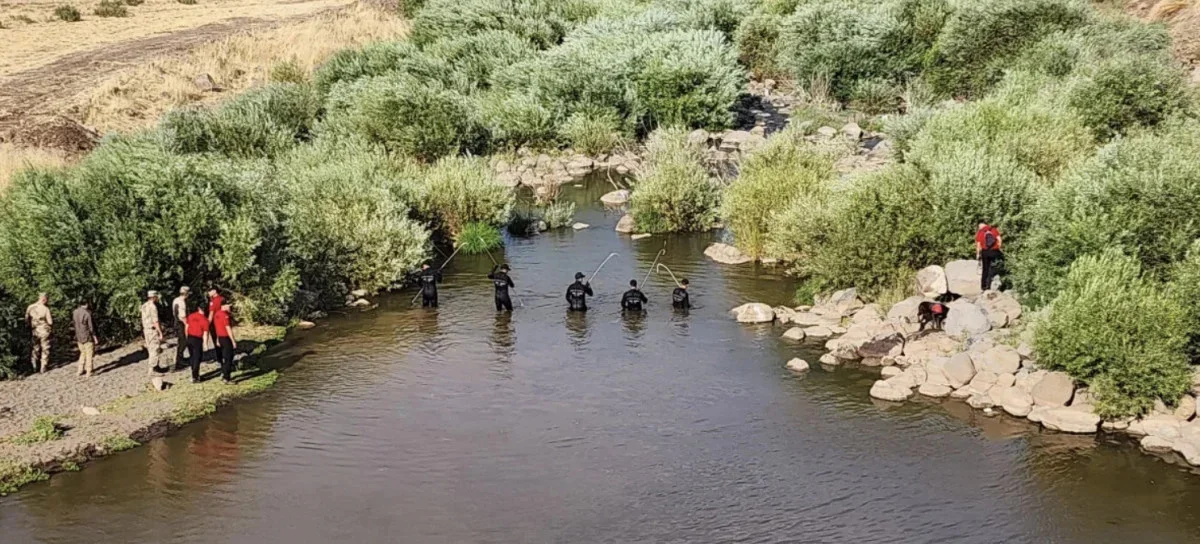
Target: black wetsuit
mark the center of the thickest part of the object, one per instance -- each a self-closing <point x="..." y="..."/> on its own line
<point x="577" y="295"/>
<point x="428" y="280"/>
<point x="502" y="283"/>
<point x="679" y="298"/>
<point x="633" y="300"/>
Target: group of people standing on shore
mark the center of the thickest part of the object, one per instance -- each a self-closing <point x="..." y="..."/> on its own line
<point x="196" y="326"/>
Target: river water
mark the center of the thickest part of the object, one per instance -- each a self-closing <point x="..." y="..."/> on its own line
<point x="461" y="426"/>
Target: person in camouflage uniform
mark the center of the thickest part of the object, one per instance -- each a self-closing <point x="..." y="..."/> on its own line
<point x="39" y="320"/>
<point x="152" y="331"/>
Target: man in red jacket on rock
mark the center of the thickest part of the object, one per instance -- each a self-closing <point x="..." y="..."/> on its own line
<point x="987" y="251"/>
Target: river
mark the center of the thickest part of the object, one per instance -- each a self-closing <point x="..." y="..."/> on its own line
<point x="458" y="425"/>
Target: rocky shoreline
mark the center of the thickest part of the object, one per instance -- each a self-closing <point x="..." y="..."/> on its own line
<point x="983" y="357"/>
<point x="57" y="421"/>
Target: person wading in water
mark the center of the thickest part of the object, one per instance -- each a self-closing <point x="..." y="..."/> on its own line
<point x="633" y="299"/>
<point x="428" y="278"/>
<point x="500" y="278"/>
<point x="577" y="294"/>
<point x="679" y="297"/>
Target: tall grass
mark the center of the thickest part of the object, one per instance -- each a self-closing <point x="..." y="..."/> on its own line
<point x="673" y="191"/>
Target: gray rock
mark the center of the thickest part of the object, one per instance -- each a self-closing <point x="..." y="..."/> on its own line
<point x="698" y="137"/>
<point x="882" y="345"/>
<point x="616" y="198"/>
<point x="966" y="319"/>
<point x="841" y="303"/>
<point x="1055" y="389"/>
<point x="726" y="254"/>
<point x="1070" y="420"/>
<point x="158" y="384"/>
<point x="809" y="319"/>
<point x="980" y="401"/>
<point x="852" y="131"/>
<point x="817" y="332"/>
<point x="636" y="237"/>
<point x="963" y="277"/>
<point x="625" y="225"/>
<point x="358" y="293"/>
<point x="982" y="381"/>
<point x="935" y="390"/>
<point x="795" y="334"/>
<point x="883" y="390"/>
<point x="754" y="312"/>
<point x="783" y="314"/>
<point x="959" y="370"/>
<point x="360" y="303"/>
<point x="89" y="411"/>
<point x="205" y="83"/>
<point x="889" y="371"/>
<point x="1157" y="444"/>
<point x="1165" y="426"/>
<point x="302" y="325"/>
<point x="870" y="313"/>
<point x="827" y="132"/>
<point x="1002" y="309"/>
<point x="1005" y="380"/>
<point x="740" y="140"/>
<point x="999" y="359"/>
<point x="1012" y="399"/>
<point x="1185" y="409"/>
<point x="931" y="281"/>
<point x="829" y="359"/>
<point x="905" y="311"/>
<point x="962" y="393"/>
<point x="797" y="365"/>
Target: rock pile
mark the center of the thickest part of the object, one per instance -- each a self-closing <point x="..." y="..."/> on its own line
<point x="543" y="171"/>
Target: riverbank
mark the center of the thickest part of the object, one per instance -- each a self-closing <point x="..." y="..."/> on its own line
<point x="984" y="356"/>
<point x="57" y="421"/>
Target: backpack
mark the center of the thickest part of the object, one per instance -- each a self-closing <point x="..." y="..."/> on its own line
<point x="938" y="308"/>
<point x="989" y="239"/>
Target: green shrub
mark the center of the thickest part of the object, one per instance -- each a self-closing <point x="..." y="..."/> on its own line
<point x="875" y="97"/>
<point x="352" y="64"/>
<point x="477" y="238"/>
<point x="134" y="2"/>
<point x="514" y="120"/>
<point x="462" y="190"/>
<point x="979" y="38"/>
<point x="723" y="16"/>
<point x="68" y="13"/>
<point x="1127" y="92"/>
<point x="593" y="133"/>
<point x="188" y="2"/>
<point x="673" y="192"/>
<point x="559" y="215"/>
<point x="1139" y="194"/>
<point x="1117" y="331"/>
<point x="111" y="8"/>
<point x="757" y="41"/>
<point x="409" y="8"/>
<point x="537" y="21"/>
<point x="45" y="429"/>
<point x="477" y="56"/>
<point x="264" y="122"/>
<point x="841" y="42"/>
<point x="689" y="79"/>
<point x="288" y="71"/>
<point x="1185" y="289"/>
<point x="785" y="169"/>
<point x="409" y="116"/>
<point x="344" y="218"/>
<point x="903" y="129"/>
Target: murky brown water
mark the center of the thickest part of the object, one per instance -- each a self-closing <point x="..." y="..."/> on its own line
<point x="405" y="425"/>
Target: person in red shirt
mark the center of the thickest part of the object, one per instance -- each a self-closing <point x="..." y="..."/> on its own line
<point x="197" y="336"/>
<point x="987" y="251"/>
<point x="215" y="301"/>
<point x="226" y="342"/>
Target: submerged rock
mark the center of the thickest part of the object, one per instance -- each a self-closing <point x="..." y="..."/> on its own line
<point x="883" y="390"/>
<point x="616" y="198"/>
<point x="795" y="334"/>
<point x="580" y="226"/>
<point x="726" y="254"/>
<point x="625" y="225"/>
<point x="797" y="365"/>
<point x="1070" y="420"/>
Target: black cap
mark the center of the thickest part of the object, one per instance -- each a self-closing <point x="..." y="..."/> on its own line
<point x="633" y="283"/>
<point x="504" y="267"/>
<point x="579" y="275"/>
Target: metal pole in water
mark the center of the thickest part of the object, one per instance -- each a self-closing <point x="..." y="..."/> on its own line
<point x="661" y="266"/>
<point x="593" y="276"/>
<point x="661" y="252"/>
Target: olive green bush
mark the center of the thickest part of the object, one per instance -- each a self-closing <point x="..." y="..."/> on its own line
<point x="1138" y="194"/>
<point x="407" y="115"/>
<point x="1185" y="289"/>
<point x="477" y="238"/>
<point x="68" y="13"/>
<point x="461" y="190"/>
<point x="840" y="41"/>
<point x="593" y="133"/>
<point x="1127" y="92"/>
<point x="514" y="119"/>
<point x="477" y="56"/>
<point x="673" y="192"/>
<point x="770" y="180"/>
<point x="757" y="41"/>
<point x="264" y="122"/>
<point x="542" y="22"/>
<point x="1118" y="331"/>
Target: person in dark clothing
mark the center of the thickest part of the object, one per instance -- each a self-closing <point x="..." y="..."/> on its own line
<point x="988" y="251"/>
<point x="679" y="297"/>
<point x="577" y="294"/>
<point x="428" y="278"/>
<point x="197" y="335"/>
<point x="500" y="278"/>
<point x="226" y="342"/>
<point x="633" y="299"/>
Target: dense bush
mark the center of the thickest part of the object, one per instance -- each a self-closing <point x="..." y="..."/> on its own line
<point x="1117" y="331"/>
<point x="1185" y="289"/>
<point x="786" y="169"/>
<point x="68" y="13"/>
<point x="541" y="22"/>
<point x="111" y="8"/>
<point x="757" y="42"/>
<point x="559" y="215"/>
<point x="406" y="115"/>
<point x="979" y="38"/>
<point x="593" y="133"/>
<point x="477" y="238"/>
<point x="516" y="119"/>
<point x="1140" y="194"/>
<point x="1127" y="92"/>
<point x="288" y="71"/>
<point x="264" y="122"/>
<point x="477" y="56"/>
<point x="689" y="79"/>
<point x="460" y="190"/>
<point x="673" y="192"/>
<point x="840" y="41"/>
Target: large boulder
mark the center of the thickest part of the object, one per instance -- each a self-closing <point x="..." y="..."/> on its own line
<point x="1186" y="407"/>
<point x="809" y="319"/>
<point x="905" y="311"/>
<point x="615" y="198"/>
<point x="726" y="254"/>
<point x="625" y="225"/>
<point x="754" y="312"/>
<point x="883" y="390"/>
<point x="870" y="313"/>
<point x="783" y="314"/>
<point x="1014" y="400"/>
<point x="966" y="319"/>
<point x="928" y="346"/>
<point x="840" y="303"/>
<point x="819" y="331"/>
<point x="797" y="365"/>
<point x="998" y="359"/>
<point x="1054" y="389"/>
<point x="931" y="281"/>
<point x="1002" y="309"/>
<point x="794" y="334"/>
<point x="1164" y="426"/>
<point x="963" y="277"/>
<point x="1156" y="444"/>
<point x="886" y="344"/>
<point x="935" y="390"/>
<point x="959" y="370"/>
<point x="1070" y="420"/>
<point x="982" y="382"/>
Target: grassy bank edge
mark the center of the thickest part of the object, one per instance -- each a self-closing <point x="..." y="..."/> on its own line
<point x="188" y="402"/>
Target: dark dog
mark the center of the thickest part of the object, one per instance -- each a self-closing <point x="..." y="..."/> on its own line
<point x="932" y="314"/>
